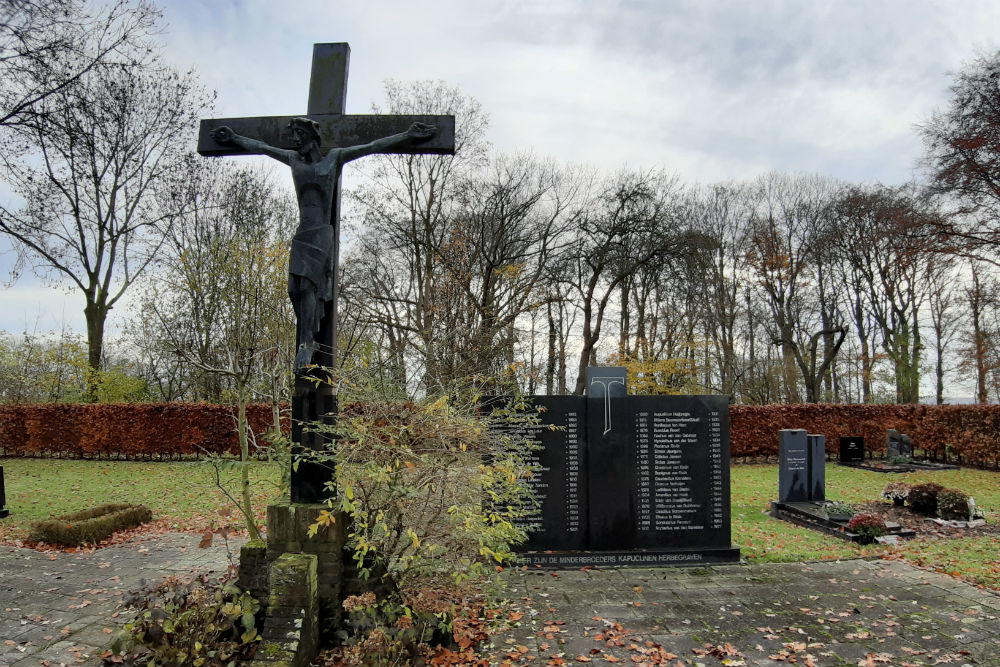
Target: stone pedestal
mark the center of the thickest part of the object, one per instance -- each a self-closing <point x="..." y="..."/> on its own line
<point x="300" y="580"/>
<point x="291" y="631"/>
<point x="288" y="532"/>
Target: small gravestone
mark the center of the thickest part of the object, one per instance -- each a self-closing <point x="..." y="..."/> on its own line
<point x="852" y="449"/>
<point x="817" y="467"/>
<point x="898" y="445"/>
<point x="4" y="512"/>
<point x="793" y="466"/>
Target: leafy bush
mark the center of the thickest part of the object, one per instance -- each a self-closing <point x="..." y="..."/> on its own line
<point x="89" y="526"/>
<point x="190" y="623"/>
<point x="837" y="507"/>
<point x="897" y="492"/>
<point x="953" y="504"/>
<point x="923" y="498"/>
<point x="900" y="460"/>
<point x="431" y="489"/>
<point x="385" y="633"/>
<point x="867" y="525"/>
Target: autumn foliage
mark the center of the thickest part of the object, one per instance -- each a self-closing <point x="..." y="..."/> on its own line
<point x="127" y="430"/>
<point x="961" y="433"/>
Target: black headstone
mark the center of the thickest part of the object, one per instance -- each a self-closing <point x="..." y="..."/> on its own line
<point x="793" y="466"/>
<point x="817" y="467"/>
<point x="610" y="474"/>
<point x="560" y="484"/>
<point x="3" y="497"/>
<point x="852" y="449"/>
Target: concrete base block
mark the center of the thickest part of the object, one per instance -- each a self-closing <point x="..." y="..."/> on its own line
<point x="290" y="637"/>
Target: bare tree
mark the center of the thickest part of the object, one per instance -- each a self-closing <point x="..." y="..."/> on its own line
<point x="882" y="235"/>
<point x="96" y="151"/>
<point x="635" y="220"/>
<point x="47" y="46"/>
<point x="220" y="298"/>
<point x="784" y="247"/>
<point x="962" y="144"/>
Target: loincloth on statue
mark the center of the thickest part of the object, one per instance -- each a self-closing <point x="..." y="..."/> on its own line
<point x="311" y="256"/>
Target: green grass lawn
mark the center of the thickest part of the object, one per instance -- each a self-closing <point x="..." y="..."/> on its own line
<point x="184" y="496"/>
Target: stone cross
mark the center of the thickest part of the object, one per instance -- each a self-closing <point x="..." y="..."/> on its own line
<point x="279" y="137"/>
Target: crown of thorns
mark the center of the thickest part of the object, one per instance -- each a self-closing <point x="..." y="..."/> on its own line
<point x="308" y="125"/>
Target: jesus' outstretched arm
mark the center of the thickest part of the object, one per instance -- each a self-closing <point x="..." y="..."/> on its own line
<point x="225" y="135"/>
<point x="418" y="132"/>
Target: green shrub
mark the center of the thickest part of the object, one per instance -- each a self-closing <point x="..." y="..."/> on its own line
<point x="867" y="525"/>
<point x="89" y="526"/>
<point x="900" y="460"/>
<point x="190" y="623"/>
<point x="923" y="498"/>
<point x="953" y="504"/>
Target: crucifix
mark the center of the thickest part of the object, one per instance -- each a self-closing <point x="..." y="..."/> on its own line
<point x="316" y="147"/>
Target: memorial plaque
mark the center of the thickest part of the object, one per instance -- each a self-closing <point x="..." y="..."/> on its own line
<point x="680" y="487"/>
<point x="630" y="481"/>
<point x="609" y="431"/>
<point x="560" y="484"/>
<point x="852" y="449"/>
<point x="817" y="467"/>
<point x="793" y="466"/>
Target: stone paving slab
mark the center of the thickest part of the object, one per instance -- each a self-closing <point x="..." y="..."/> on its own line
<point x="59" y="608"/>
<point x="828" y="614"/>
<point x="56" y="608"/>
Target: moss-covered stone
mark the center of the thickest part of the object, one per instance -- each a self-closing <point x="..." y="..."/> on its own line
<point x="291" y="629"/>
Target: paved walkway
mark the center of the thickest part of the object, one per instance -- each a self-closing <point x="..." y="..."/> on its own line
<point x="857" y="612"/>
<point x="60" y="608"/>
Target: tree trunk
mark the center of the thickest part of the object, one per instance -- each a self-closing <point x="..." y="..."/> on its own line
<point x="241" y="427"/>
<point x="550" y="361"/>
<point x="96" y="316"/>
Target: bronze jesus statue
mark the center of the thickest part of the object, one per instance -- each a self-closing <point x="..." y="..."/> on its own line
<point x="310" y="260"/>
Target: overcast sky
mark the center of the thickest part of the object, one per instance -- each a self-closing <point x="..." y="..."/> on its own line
<point x="709" y="90"/>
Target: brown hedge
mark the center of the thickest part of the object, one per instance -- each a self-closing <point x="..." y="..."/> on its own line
<point x="130" y="430"/>
<point x="965" y="433"/>
<point x="969" y="433"/>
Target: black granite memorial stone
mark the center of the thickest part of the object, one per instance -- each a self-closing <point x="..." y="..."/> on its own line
<point x="817" y="467"/>
<point x="560" y="482"/>
<point x="852" y="449"/>
<point x="631" y="480"/>
<point x="793" y="466"/>
<point x="3" y="497"/>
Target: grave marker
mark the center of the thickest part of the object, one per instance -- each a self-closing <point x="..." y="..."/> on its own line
<point x="852" y="449"/>
<point x="793" y="466"/>
<point x="817" y="467"/>
<point x="4" y="512"/>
